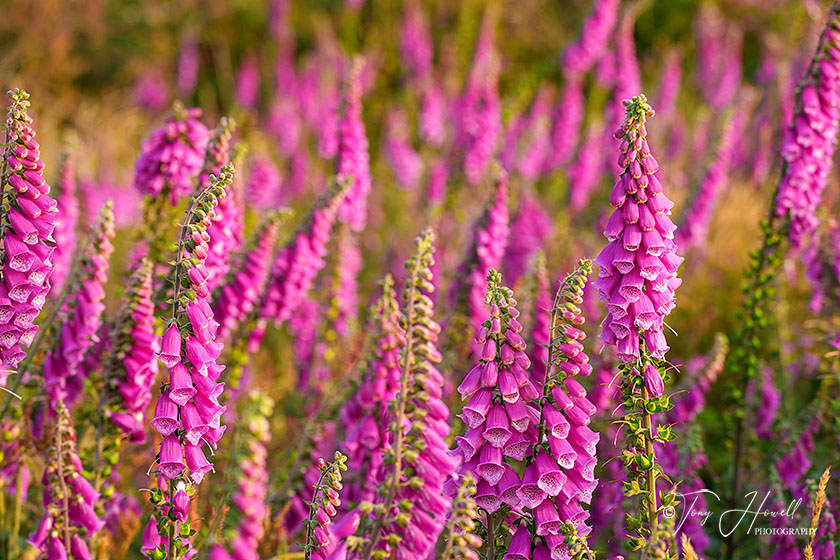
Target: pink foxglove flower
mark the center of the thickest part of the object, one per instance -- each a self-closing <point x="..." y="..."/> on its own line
<point x="172" y="156"/>
<point x="265" y="185"/>
<point x="489" y="240"/>
<point x="695" y="224"/>
<point x="566" y="122"/>
<point x="581" y="56"/>
<point x="227" y="218"/>
<point x="239" y="293"/>
<point x="528" y="231"/>
<point x="809" y="143"/>
<point x="298" y="263"/>
<point x="353" y="157"/>
<point x="500" y="417"/>
<point x="478" y="110"/>
<point x="66" y="535"/>
<point x="559" y="479"/>
<point x="638" y="267"/>
<point x="132" y="365"/>
<point x="28" y="237"/>
<point x="248" y="82"/>
<point x="365" y="415"/>
<point x="405" y="161"/>
<point x="190" y="399"/>
<point x="188" y="65"/>
<point x="416" y="49"/>
<point x="81" y="315"/>
<point x="66" y="221"/>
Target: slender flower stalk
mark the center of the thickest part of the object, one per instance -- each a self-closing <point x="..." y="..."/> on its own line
<point x="580" y="56"/>
<point x="239" y="293"/>
<point x="479" y="109"/>
<point x="809" y="143"/>
<point x="298" y="263"/>
<point x="226" y="232"/>
<point x="66" y="221"/>
<point x="500" y="418"/>
<point x="416" y="49"/>
<point x="489" y="240"/>
<point x="188" y="414"/>
<point x="637" y="278"/>
<point x="80" y="317"/>
<point x="28" y="220"/>
<point x="69" y="519"/>
<point x="365" y="414"/>
<point x="461" y="542"/>
<point x="410" y="513"/>
<point x="353" y="156"/>
<point x="322" y="508"/>
<point x="246" y="521"/>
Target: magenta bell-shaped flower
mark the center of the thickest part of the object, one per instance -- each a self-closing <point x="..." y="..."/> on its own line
<point x="171" y="457"/>
<point x="180" y="384"/>
<point x="520" y="545"/>
<point x="170" y="349"/>
<point x="166" y="416"/>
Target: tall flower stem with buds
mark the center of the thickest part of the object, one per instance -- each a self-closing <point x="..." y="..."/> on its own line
<point x="637" y="278"/>
<point x="411" y="513"/>
<point x="324" y="502"/>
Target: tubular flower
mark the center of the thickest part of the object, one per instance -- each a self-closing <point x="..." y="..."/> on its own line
<point x="559" y="478"/>
<point x="29" y="216"/>
<point x="366" y="413"/>
<point x="248" y="82"/>
<point x="405" y="162"/>
<point x="529" y="230"/>
<point x="480" y="122"/>
<point x="353" y="156"/>
<point x="226" y="232"/>
<point x="69" y="518"/>
<point x="132" y="368"/>
<point x="416" y="48"/>
<point x="567" y="120"/>
<point x="239" y="293"/>
<point x="66" y="221"/>
<point x="188" y="414"/>
<point x="409" y="514"/>
<point x="531" y="162"/>
<point x="638" y="267"/>
<point x="581" y="56"/>
<point x="809" y="143"/>
<point x="585" y="173"/>
<point x="299" y="262"/>
<point x="265" y="185"/>
<point x="172" y="156"/>
<point x="81" y="315"/>
<point x="500" y="421"/>
<point x="698" y="215"/>
<point x="489" y="240"/>
<point x="433" y="114"/>
<point x="345" y="305"/>
<point x="539" y="328"/>
<point x="246" y="521"/>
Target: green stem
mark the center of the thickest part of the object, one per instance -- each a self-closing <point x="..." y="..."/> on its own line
<point x="408" y="359"/>
<point x="651" y="473"/>
<point x="172" y="555"/>
<point x="307" y="546"/>
<point x="65" y="494"/>
<point x="491" y="536"/>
